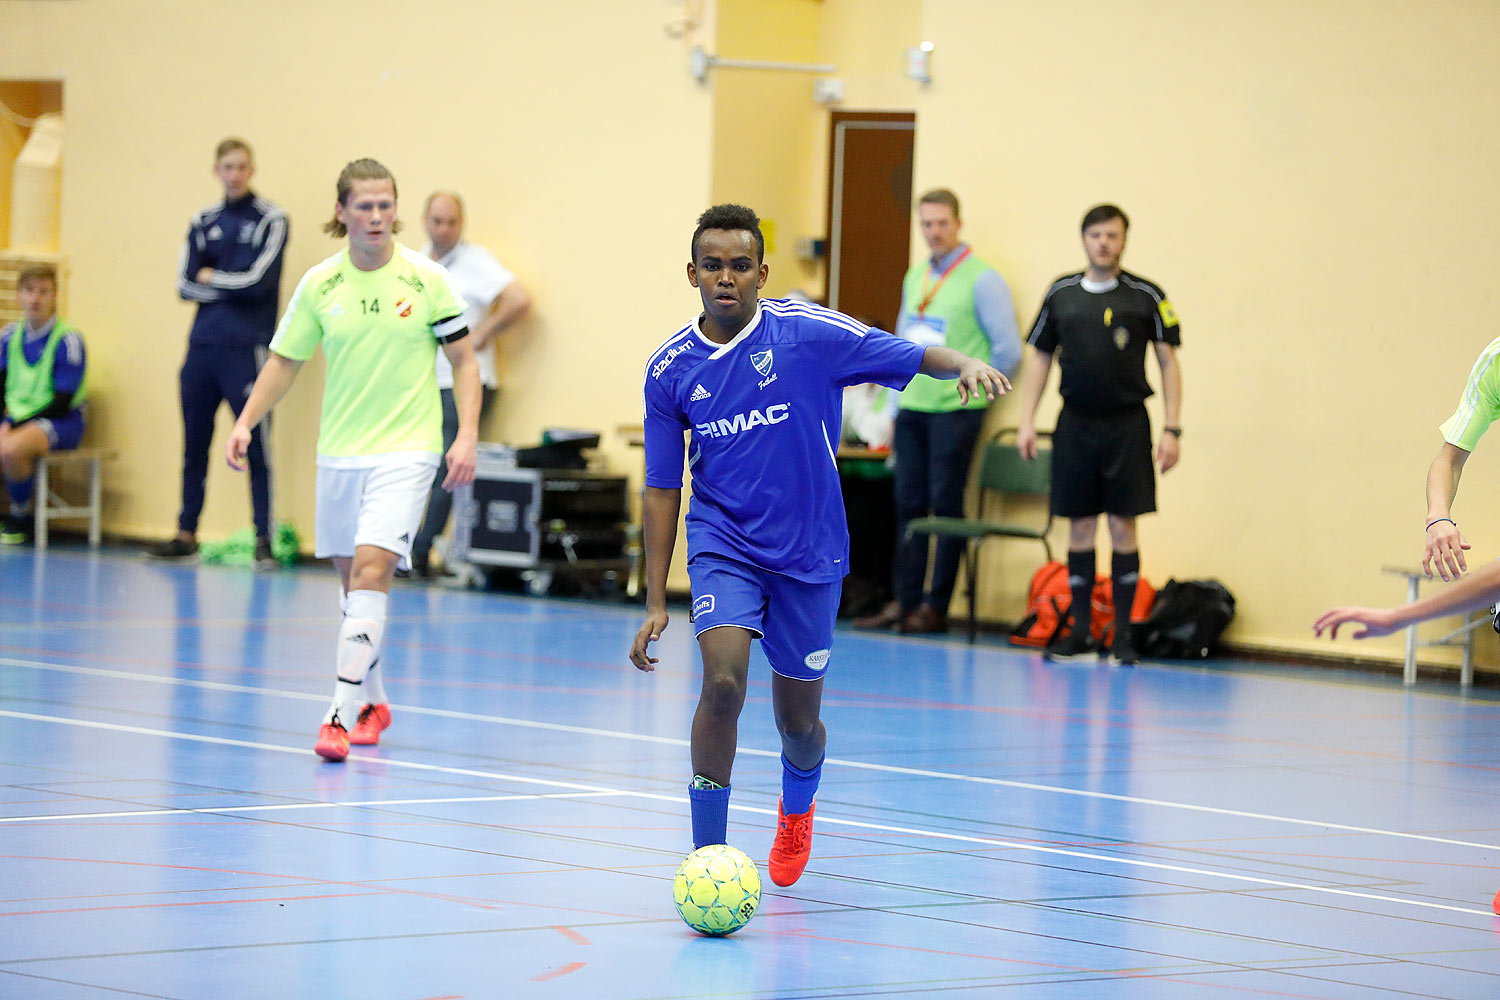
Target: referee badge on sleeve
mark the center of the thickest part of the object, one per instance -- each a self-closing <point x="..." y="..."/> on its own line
<point x="1168" y="314"/>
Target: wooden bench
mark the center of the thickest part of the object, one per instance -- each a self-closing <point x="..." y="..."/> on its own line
<point x="1463" y="636"/>
<point x="50" y="506"/>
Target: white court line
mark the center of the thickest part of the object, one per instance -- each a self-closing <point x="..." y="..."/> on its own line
<point x="365" y="803"/>
<point x="754" y="752"/>
<point x="826" y="820"/>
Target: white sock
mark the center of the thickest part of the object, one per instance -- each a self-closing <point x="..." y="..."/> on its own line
<point x="359" y="645"/>
<point x="375" y="687"/>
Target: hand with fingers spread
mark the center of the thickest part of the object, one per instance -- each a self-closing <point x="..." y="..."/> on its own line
<point x="1375" y="622"/>
<point x="1445" y="550"/>
<point x="650" y="631"/>
<point x="976" y="376"/>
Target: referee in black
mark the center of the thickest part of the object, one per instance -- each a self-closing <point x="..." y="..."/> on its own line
<point x="1098" y="323"/>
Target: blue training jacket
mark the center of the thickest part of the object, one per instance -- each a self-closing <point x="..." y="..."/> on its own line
<point x="243" y="241"/>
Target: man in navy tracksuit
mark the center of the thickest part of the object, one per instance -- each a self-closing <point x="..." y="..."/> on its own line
<point x="231" y="267"/>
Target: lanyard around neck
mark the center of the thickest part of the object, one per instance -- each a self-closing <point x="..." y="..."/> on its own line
<point x="929" y="290"/>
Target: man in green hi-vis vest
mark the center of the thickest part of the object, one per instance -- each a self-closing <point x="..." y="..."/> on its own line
<point x="950" y="299"/>
<point x="42" y="370"/>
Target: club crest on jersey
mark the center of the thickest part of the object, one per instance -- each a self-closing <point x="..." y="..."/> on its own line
<point x="403" y="308"/>
<point x="762" y="361"/>
<point x="1122" y="338"/>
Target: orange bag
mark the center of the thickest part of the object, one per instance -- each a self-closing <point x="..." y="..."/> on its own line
<point x="1102" y="618"/>
<point x="1047" y="601"/>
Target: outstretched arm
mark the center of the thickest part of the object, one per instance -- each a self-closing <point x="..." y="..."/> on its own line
<point x="974" y="376"/>
<point x="659" y="509"/>
<point x="1478" y="591"/>
<point x="1445" y="543"/>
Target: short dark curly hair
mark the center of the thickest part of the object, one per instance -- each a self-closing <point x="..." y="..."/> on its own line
<point x="731" y="217"/>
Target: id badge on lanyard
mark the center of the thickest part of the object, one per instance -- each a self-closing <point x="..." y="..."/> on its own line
<point x="930" y="331"/>
<point x="925" y="331"/>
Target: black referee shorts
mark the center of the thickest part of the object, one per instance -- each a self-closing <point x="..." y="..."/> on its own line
<point x="1101" y="464"/>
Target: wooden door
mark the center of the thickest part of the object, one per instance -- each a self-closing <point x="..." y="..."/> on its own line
<point x="869" y="212"/>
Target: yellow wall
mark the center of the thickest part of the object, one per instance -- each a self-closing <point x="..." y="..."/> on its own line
<point x="1311" y="182"/>
<point x="1314" y="185"/>
<point x="762" y="138"/>
<point x="578" y="137"/>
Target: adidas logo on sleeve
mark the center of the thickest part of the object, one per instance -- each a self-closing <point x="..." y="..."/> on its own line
<point x="699" y="393"/>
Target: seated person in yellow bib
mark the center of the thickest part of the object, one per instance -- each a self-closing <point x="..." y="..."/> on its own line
<point x="42" y="365"/>
<point x="380" y="312"/>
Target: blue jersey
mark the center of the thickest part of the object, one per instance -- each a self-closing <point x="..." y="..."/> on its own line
<point x="764" y="411"/>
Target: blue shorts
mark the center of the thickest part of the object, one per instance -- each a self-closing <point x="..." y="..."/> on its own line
<point x="64" y="433"/>
<point x="793" y="619"/>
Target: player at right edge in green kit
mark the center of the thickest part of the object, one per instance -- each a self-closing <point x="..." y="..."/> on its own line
<point x="1478" y="408"/>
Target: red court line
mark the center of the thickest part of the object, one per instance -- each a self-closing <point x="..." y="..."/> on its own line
<point x="1121" y="973"/>
<point x="556" y="973"/>
<point x="476" y="902"/>
<point x="571" y="934"/>
<point x="200" y="902"/>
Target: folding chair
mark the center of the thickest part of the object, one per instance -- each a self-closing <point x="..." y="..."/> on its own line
<point x="1002" y="471"/>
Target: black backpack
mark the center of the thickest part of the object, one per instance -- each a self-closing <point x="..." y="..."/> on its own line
<point x="1186" y="620"/>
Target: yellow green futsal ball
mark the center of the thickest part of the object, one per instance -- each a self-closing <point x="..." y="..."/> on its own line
<point x="717" y="889"/>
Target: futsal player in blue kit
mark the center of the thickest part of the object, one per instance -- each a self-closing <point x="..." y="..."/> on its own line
<point x="759" y="384"/>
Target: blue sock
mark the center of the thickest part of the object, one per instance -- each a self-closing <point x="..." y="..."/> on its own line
<point x="798" y="786"/>
<point x="710" y="815"/>
<point x="20" y="494"/>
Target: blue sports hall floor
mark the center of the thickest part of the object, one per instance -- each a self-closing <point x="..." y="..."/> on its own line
<point x="990" y="825"/>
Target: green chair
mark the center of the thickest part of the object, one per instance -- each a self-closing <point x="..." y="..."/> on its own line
<point x="1002" y="471"/>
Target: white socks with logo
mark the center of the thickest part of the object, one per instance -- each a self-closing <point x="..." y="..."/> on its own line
<point x="359" y="647"/>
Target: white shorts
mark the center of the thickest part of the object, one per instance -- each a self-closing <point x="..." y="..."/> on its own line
<point x="380" y="505"/>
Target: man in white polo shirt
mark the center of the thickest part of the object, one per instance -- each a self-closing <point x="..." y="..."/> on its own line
<point x="494" y="300"/>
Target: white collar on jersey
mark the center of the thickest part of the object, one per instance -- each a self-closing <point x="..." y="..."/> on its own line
<point x="722" y="349"/>
<point x="1099" y="287"/>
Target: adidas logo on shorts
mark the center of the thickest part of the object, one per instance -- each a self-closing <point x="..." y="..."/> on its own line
<point x="699" y="393"/>
<point x="361" y="637"/>
<point x="405" y="537"/>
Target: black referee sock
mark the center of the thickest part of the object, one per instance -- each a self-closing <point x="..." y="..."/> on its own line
<point x="1081" y="583"/>
<point x="1125" y="571"/>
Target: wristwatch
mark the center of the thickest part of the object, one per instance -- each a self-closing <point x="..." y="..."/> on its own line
<point x="1176" y="432"/>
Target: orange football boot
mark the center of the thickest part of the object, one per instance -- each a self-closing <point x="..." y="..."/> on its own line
<point x="793" y="845"/>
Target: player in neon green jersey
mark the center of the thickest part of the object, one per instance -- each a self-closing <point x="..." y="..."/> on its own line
<point x="379" y="311"/>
